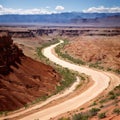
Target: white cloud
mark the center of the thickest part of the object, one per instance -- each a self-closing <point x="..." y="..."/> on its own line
<point x="59" y="8"/>
<point x="4" y="10"/>
<point x="1" y="7"/>
<point x="102" y="9"/>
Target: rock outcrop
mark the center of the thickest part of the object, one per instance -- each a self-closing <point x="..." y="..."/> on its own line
<point x="9" y="54"/>
<point x="55" y="32"/>
<point x="22" y="80"/>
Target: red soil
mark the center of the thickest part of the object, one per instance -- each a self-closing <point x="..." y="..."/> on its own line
<point x="96" y="49"/>
<point x="22" y="79"/>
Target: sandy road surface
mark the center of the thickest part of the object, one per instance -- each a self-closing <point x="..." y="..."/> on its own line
<point x="101" y="83"/>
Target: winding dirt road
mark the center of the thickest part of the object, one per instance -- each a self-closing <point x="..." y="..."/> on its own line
<point x="101" y="82"/>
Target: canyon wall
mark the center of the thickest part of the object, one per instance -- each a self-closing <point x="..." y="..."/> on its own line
<point x="22" y="80"/>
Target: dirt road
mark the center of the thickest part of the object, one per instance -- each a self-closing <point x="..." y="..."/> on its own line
<point x="101" y="83"/>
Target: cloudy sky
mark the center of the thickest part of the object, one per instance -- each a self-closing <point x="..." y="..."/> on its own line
<point x="57" y="6"/>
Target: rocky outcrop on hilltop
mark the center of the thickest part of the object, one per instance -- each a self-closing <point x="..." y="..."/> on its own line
<point x="9" y="54"/>
<point x="22" y="80"/>
<point x="21" y="34"/>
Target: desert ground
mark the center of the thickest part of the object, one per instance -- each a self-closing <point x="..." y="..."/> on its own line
<point x="94" y="46"/>
<point x="107" y="49"/>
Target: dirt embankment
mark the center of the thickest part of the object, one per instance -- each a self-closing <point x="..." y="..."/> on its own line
<point x="102" y="50"/>
<point x="22" y="79"/>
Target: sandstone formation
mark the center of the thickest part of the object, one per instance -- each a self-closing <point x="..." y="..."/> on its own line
<point x="22" y="80"/>
<point x="62" y="32"/>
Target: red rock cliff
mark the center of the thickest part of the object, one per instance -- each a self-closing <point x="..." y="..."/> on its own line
<point x="22" y="79"/>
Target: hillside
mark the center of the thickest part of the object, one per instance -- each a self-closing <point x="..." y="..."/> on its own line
<point x="22" y="80"/>
<point x="101" y="51"/>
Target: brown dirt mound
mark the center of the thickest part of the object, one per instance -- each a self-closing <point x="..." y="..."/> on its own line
<point x="22" y="79"/>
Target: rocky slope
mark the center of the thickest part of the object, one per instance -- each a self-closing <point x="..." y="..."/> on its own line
<point x="101" y="50"/>
<point x="22" y="79"/>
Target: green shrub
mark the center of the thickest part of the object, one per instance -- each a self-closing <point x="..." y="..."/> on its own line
<point x="68" y="77"/>
<point x="26" y="105"/>
<point x="101" y="115"/>
<point x="81" y="108"/>
<point x="64" y="118"/>
<point x="67" y="56"/>
<point x="80" y="116"/>
<point x="112" y="97"/>
<point x="116" y="111"/>
<point x="117" y="87"/>
<point x="101" y="106"/>
<point x="96" y="65"/>
<point x="117" y="71"/>
<point x="3" y="113"/>
<point x="94" y="111"/>
<point x="94" y="103"/>
<point x="109" y="69"/>
<point x="103" y="100"/>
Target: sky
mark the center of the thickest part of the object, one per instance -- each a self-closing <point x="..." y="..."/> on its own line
<point x="58" y="6"/>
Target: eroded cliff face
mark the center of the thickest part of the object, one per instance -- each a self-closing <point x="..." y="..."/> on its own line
<point x="9" y="54"/>
<point x="61" y="32"/>
<point x="22" y="79"/>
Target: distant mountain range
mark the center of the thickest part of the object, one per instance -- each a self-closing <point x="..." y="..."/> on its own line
<point x="64" y="18"/>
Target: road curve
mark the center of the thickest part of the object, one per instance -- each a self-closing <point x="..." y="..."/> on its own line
<point x="101" y="82"/>
<point x="64" y="93"/>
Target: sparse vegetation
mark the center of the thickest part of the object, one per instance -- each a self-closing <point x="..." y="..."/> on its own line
<point x="39" y="51"/>
<point x="117" y="71"/>
<point x="101" y="106"/>
<point x="93" y="111"/>
<point x="64" y="118"/>
<point x="86" y="115"/>
<point x="80" y="116"/>
<point x="116" y="111"/>
<point x="101" y="115"/>
<point x="3" y="113"/>
<point x="68" y="76"/>
<point x="81" y="108"/>
<point x="67" y="56"/>
<point x="26" y="105"/>
<point x="103" y="100"/>
<point x="112" y="95"/>
<point x="96" y="65"/>
<point x="93" y="104"/>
